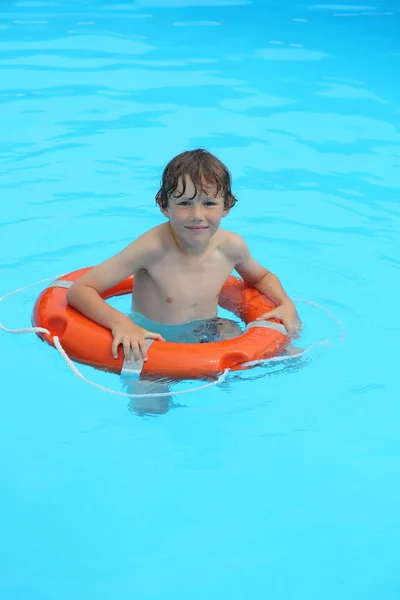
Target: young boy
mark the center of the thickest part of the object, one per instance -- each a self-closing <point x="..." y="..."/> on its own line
<point x="181" y="265"/>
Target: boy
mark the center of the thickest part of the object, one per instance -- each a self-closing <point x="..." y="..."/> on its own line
<point x="180" y="266"/>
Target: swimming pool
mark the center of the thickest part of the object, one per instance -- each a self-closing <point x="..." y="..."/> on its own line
<point x="281" y="484"/>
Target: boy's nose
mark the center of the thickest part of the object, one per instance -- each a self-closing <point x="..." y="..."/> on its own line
<point x="197" y="214"/>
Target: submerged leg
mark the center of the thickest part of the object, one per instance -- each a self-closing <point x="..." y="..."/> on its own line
<point x="215" y="330"/>
<point x="154" y="405"/>
<point x="227" y="329"/>
<point x="136" y="382"/>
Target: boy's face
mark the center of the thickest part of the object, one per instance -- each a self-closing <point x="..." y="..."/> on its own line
<point x="195" y="219"/>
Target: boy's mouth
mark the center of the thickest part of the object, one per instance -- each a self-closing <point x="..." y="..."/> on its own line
<point x="197" y="228"/>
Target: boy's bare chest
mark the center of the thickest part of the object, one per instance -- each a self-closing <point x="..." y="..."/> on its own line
<point x="192" y="279"/>
<point x="176" y="290"/>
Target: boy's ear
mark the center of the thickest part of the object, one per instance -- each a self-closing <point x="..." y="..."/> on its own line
<point x="163" y="210"/>
<point x="230" y="201"/>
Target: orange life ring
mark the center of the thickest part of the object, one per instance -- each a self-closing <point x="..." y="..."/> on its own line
<point x="88" y="343"/>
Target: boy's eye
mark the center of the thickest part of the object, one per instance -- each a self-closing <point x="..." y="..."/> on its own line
<point x="188" y="203"/>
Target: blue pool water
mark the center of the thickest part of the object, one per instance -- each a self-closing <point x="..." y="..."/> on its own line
<point x="279" y="484"/>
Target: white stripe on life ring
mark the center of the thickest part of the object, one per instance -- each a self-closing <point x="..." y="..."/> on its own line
<point x="268" y="325"/>
<point x="62" y="283"/>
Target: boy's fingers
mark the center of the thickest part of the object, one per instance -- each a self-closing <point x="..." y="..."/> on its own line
<point x="138" y="348"/>
<point x="288" y="325"/>
<point x="136" y="352"/>
<point x="127" y="350"/>
<point x="143" y="349"/>
<point x="293" y="329"/>
<point x="266" y="316"/>
<point x="114" y="347"/>
<point x="154" y="336"/>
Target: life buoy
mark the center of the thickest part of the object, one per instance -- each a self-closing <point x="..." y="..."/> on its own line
<point x="88" y="343"/>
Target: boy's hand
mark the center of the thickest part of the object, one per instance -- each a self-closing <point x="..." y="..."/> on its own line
<point x="132" y="336"/>
<point x="287" y="313"/>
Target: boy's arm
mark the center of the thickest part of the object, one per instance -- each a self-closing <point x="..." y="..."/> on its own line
<point x="84" y="294"/>
<point x="267" y="283"/>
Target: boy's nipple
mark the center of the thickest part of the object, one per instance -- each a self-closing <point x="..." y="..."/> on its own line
<point x="168" y="299"/>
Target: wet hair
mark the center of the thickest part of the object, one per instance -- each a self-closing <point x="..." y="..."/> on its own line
<point x="203" y="169"/>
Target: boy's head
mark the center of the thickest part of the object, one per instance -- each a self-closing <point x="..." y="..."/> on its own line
<point x="204" y="170"/>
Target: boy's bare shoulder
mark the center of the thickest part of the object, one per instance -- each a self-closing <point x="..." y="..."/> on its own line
<point x="155" y="234"/>
<point x="152" y="243"/>
<point x="232" y="244"/>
